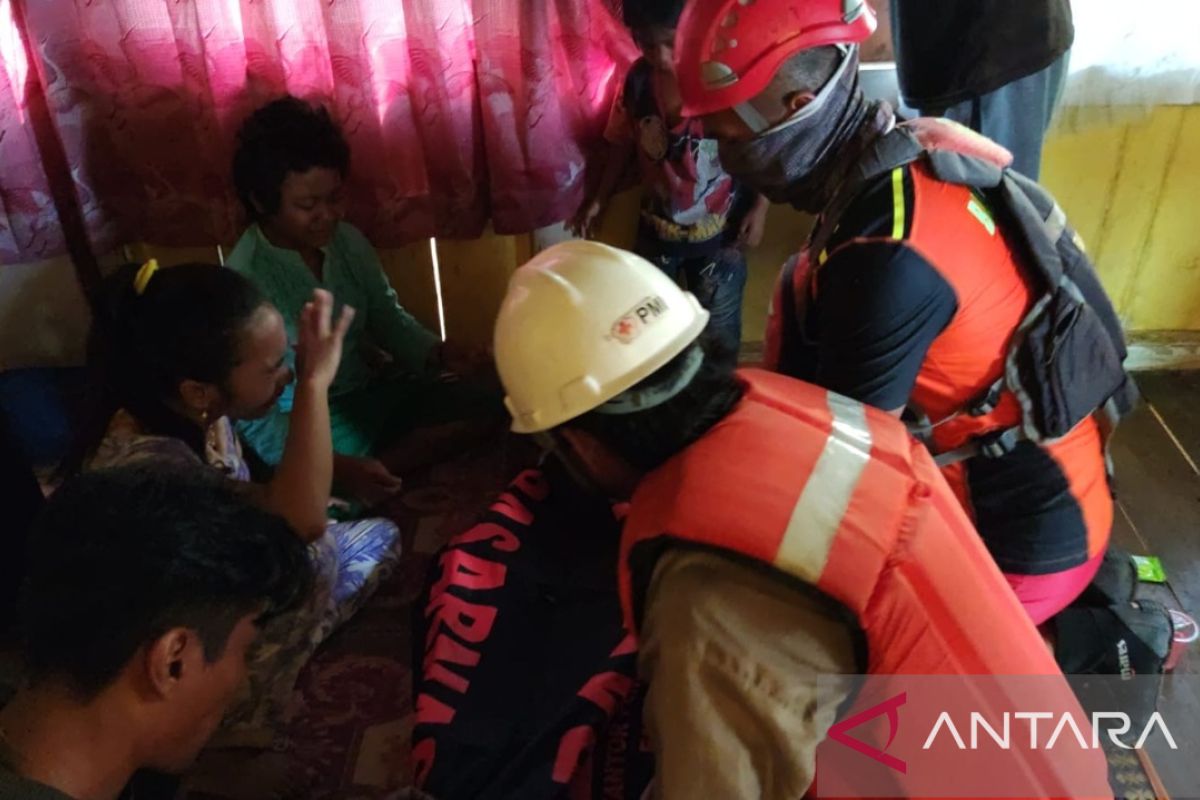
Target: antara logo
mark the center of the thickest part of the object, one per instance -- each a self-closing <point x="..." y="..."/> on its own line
<point x="633" y="322"/>
<point x="998" y="732"/>
<point x="891" y="707"/>
<point x="1066" y="723"/>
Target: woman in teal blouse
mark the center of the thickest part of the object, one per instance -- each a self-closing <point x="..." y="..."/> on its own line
<point x="289" y="166"/>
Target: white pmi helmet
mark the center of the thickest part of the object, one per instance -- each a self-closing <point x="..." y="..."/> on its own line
<point x="583" y="322"/>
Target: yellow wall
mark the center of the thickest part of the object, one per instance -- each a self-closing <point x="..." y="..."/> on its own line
<point x="1131" y="191"/>
<point x="1129" y="187"/>
<point x="474" y="275"/>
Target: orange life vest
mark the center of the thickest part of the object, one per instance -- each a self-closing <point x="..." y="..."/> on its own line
<point x="963" y="395"/>
<point x="953" y="230"/>
<point x="955" y="233"/>
<point x="837" y="496"/>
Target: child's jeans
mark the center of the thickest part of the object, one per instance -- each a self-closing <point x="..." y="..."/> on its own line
<point x="717" y="280"/>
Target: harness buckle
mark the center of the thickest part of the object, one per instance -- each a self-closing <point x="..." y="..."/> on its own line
<point x="1000" y="443"/>
<point x="987" y="402"/>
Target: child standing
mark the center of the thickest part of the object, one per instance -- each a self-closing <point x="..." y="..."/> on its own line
<point x="695" y="219"/>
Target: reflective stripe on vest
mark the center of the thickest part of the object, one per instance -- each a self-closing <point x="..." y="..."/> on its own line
<point x="898" y="203"/>
<point x="831" y="477"/>
<point x="825" y="498"/>
<point x="837" y="496"/>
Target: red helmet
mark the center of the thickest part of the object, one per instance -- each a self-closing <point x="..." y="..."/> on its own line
<point x="727" y="51"/>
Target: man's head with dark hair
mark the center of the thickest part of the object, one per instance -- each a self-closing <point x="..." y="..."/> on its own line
<point x="640" y="15"/>
<point x="606" y="358"/>
<point x="648" y="438"/>
<point x="652" y="24"/>
<point x="612" y="452"/>
<point x="144" y="588"/>
<point x="288" y="169"/>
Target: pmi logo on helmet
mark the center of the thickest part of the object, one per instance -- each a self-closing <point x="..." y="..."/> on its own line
<point x="637" y="319"/>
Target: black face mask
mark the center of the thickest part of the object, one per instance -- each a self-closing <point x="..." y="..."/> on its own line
<point x="797" y="161"/>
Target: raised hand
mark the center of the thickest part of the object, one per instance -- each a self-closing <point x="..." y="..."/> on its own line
<point x="319" y="340"/>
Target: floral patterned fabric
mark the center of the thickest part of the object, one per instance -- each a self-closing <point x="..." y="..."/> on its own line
<point x="349" y="562"/>
<point x="458" y="111"/>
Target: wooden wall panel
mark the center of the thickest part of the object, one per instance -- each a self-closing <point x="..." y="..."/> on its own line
<point x="410" y="270"/>
<point x="1130" y="190"/>
<point x="1165" y="293"/>
<point x="474" y="279"/>
<point x="44" y="316"/>
<point x="167" y="256"/>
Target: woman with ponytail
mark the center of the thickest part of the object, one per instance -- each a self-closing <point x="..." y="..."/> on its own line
<point x="176" y="356"/>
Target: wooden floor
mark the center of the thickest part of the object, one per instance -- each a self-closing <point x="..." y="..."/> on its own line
<point x="1157" y="456"/>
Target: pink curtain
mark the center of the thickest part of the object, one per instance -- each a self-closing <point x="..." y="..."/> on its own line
<point x="458" y="111"/>
<point x="29" y="228"/>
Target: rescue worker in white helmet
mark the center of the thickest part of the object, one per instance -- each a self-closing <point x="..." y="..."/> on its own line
<point x="776" y="532"/>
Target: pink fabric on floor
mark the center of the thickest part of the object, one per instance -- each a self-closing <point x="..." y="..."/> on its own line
<point x="1043" y="596"/>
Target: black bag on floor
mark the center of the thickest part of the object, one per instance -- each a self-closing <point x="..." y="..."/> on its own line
<point x="1106" y="632"/>
<point x="1127" y="639"/>
<point x="1131" y="640"/>
<point x="521" y="662"/>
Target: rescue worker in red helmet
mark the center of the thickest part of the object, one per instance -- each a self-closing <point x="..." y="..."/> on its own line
<point x="912" y="301"/>
<point x="777" y="533"/>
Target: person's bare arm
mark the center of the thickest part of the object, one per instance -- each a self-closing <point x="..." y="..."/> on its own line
<point x="616" y="161"/>
<point x="878" y="48"/>
<point x="750" y="234"/>
<point x="299" y="490"/>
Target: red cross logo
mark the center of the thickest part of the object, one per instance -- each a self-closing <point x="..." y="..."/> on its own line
<point x="624" y="329"/>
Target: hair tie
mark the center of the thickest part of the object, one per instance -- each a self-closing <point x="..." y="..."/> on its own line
<point x="144" y="275"/>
